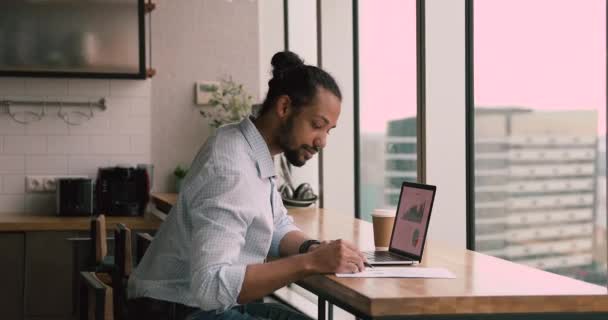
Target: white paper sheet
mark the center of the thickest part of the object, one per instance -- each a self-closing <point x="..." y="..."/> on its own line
<point x="400" y="272"/>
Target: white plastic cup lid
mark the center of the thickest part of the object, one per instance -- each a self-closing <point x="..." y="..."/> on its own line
<point x="383" y="212"/>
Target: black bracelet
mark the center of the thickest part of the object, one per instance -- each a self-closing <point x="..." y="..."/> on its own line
<point x="306" y="245"/>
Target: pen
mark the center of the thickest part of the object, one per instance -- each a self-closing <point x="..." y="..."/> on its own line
<point x="368" y="265"/>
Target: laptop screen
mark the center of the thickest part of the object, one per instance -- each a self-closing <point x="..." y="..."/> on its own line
<point x="412" y="219"/>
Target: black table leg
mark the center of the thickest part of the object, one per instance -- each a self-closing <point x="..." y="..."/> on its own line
<point x="321" y="309"/>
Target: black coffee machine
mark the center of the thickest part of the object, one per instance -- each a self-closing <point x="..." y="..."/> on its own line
<point x="122" y="191"/>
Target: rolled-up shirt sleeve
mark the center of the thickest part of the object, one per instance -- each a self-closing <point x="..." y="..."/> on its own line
<point x="219" y="225"/>
<point x="283" y="224"/>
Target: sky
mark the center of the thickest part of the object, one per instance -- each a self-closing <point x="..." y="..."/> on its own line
<point x="387" y="62"/>
<point x="541" y="54"/>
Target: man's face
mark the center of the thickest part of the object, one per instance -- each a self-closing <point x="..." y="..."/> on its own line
<point x="305" y="131"/>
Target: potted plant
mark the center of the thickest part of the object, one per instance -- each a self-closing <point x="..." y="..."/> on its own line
<point x="229" y="102"/>
<point x="179" y="173"/>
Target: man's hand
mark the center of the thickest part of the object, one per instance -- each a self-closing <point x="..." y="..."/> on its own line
<point x="336" y="256"/>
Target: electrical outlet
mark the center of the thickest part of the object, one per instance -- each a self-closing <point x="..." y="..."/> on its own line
<point x="49" y="184"/>
<point x="44" y="183"/>
<point x="34" y="184"/>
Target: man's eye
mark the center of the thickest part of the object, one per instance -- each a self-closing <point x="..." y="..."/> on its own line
<point x="317" y="125"/>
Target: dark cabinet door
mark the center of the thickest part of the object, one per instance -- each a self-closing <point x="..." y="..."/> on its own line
<point x="48" y="274"/>
<point x="11" y="275"/>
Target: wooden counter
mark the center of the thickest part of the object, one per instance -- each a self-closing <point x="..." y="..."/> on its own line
<point x="23" y="222"/>
<point x="164" y="201"/>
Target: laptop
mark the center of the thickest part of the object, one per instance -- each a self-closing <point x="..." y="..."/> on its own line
<point x="410" y="226"/>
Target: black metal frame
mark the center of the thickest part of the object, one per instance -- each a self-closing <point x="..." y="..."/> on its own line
<point x="356" y="131"/>
<point x="420" y="99"/>
<point x="286" y="24"/>
<point x="141" y="74"/>
<point x="606" y="133"/>
<point x="320" y="65"/>
<point x="421" y="89"/>
<point x="469" y="126"/>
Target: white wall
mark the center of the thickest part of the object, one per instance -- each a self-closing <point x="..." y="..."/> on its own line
<point x="338" y="156"/>
<point x="146" y="121"/>
<point x="196" y="40"/>
<point x="271" y="39"/>
<point x="303" y="41"/>
<point x="119" y="135"/>
<point x="445" y="118"/>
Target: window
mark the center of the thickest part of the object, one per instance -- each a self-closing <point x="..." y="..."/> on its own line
<point x="538" y="110"/>
<point x="388" y="101"/>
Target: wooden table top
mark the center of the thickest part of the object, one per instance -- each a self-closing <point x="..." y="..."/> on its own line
<point x="483" y="284"/>
<point x="21" y="222"/>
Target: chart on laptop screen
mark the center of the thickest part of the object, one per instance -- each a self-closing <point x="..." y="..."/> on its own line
<point x="412" y="218"/>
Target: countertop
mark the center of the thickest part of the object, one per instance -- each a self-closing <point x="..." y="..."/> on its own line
<point x="164" y="201"/>
<point x="20" y="222"/>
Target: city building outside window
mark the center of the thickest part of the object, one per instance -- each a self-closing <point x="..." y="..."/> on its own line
<point x="539" y="131"/>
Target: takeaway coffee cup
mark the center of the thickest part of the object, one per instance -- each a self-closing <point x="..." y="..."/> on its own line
<point x="383" y="220"/>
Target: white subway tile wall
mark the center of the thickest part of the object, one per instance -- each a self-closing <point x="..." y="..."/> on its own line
<point x="51" y="165"/>
<point x="12" y="203"/>
<point x="13" y="184"/>
<point x="119" y="135"/>
<point x="12" y="164"/>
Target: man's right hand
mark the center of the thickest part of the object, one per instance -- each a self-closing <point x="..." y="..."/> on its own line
<point x="337" y="256"/>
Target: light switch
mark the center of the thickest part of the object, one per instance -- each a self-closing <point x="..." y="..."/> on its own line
<point x="203" y="91"/>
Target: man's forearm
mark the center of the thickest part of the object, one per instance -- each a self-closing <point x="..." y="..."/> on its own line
<point x="290" y="244"/>
<point x="329" y="257"/>
<point x="263" y="279"/>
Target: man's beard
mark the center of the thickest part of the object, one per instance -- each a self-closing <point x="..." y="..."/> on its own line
<point x="285" y="137"/>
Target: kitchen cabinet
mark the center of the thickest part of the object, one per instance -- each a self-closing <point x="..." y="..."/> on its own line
<point x="38" y="268"/>
<point x="11" y="275"/>
<point x="49" y="272"/>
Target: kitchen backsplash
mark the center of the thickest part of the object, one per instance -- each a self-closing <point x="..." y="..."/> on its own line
<point x="118" y="135"/>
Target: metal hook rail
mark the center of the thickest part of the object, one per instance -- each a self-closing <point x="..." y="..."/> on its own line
<point x="101" y="103"/>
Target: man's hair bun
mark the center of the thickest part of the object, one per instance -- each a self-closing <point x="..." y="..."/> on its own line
<point x="284" y="60"/>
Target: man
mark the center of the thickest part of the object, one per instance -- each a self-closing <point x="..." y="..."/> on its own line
<point x="208" y="256"/>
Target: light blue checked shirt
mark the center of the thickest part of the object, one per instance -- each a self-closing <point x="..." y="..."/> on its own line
<point x="229" y="214"/>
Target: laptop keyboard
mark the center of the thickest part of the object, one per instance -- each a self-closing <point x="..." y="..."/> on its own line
<point x="384" y="256"/>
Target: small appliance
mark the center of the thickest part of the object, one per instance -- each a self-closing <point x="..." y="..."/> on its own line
<point x="74" y="196"/>
<point x="122" y="191"/>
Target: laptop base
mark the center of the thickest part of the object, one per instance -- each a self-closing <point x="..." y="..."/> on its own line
<point x="378" y="258"/>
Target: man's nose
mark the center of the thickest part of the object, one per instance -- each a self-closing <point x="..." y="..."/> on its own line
<point x="320" y="142"/>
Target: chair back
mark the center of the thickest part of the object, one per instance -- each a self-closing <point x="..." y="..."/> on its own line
<point x="142" y="242"/>
<point x="123" y="251"/>
<point x="99" y="239"/>
<point x="123" y="260"/>
<point x="97" y="298"/>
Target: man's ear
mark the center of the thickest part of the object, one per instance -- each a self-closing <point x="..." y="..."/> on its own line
<point x="283" y="106"/>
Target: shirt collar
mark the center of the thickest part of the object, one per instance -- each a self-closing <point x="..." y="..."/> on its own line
<point x="259" y="147"/>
